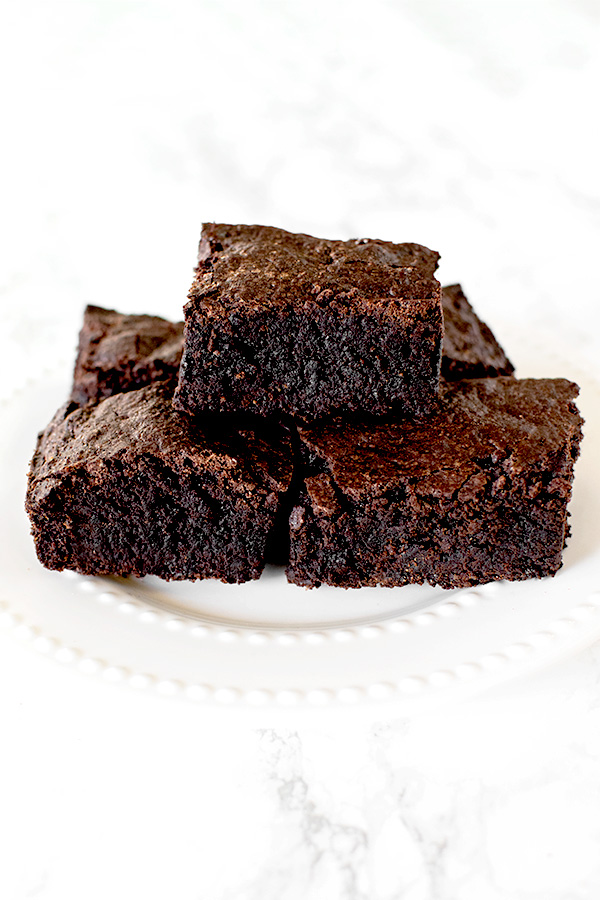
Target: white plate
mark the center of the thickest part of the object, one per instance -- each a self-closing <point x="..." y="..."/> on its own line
<point x="268" y="642"/>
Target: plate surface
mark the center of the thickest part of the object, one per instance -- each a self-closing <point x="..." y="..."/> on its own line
<point x="268" y="642"/>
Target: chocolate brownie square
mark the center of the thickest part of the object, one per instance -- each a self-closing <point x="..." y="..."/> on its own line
<point x="123" y="353"/>
<point x="476" y="493"/>
<point x="287" y="323"/>
<point x="120" y="352"/>
<point x="130" y="487"/>
<point x="470" y="350"/>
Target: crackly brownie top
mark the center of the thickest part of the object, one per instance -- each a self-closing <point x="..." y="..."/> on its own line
<point x="470" y="350"/>
<point x="120" y="352"/>
<point x="501" y="421"/>
<point x="258" y="267"/>
<point x="240" y="454"/>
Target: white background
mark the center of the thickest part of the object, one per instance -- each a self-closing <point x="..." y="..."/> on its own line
<point x="468" y="126"/>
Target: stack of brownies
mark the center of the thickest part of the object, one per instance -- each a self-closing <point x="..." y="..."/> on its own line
<point x="326" y="407"/>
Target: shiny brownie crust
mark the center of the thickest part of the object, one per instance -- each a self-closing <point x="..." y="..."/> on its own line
<point x="287" y="323"/>
<point x="470" y="350"/>
<point x="477" y="493"/>
<point x="120" y="352"/>
<point x="130" y="487"/>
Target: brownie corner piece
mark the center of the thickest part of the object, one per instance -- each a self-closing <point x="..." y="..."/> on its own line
<point x="477" y="493"/>
<point x="288" y="323"/>
<point x="129" y="487"/>
<point x="470" y="349"/>
<point x="119" y="352"/>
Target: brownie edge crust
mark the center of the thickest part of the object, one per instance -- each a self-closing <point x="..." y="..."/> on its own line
<point x="120" y="352"/>
<point x="477" y="493"/>
<point x="130" y="487"/>
<point x="288" y="323"/>
<point x="470" y="349"/>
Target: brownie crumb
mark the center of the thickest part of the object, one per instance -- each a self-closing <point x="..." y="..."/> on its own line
<point x="288" y="323"/>
<point x="130" y="487"/>
<point x="477" y="493"/>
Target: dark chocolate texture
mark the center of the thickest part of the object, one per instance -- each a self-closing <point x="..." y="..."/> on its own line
<point x="130" y="487"/>
<point x="123" y="353"/>
<point x="476" y="493"/>
<point x="281" y="322"/>
<point x="120" y="352"/>
<point x="470" y="350"/>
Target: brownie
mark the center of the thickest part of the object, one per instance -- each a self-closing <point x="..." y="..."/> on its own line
<point x="287" y="323"/>
<point x="120" y="352"/>
<point x="470" y="350"/>
<point x="123" y="353"/>
<point x="130" y="487"/>
<point x="477" y="493"/>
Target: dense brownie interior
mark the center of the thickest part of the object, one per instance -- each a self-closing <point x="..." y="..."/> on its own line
<point x="391" y="485"/>
<point x="119" y="352"/>
<point x="129" y="486"/>
<point x="476" y="493"/>
<point x="281" y="322"/>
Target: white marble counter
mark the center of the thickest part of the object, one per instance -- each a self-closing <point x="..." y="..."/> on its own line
<point x="468" y="126"/>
